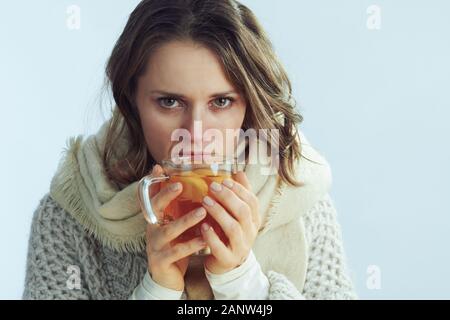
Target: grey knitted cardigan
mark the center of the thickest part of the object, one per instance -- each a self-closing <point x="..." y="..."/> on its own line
<point x="60" y="249"/>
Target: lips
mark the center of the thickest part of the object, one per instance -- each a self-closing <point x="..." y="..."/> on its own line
<point x="195" y="155"/>
<point x="200" y="153"/>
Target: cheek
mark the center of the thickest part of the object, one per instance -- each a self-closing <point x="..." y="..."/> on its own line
<point x="233" y="119"/>
<point x="157" y="133"/>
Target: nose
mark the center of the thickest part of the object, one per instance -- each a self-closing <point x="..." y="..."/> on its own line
<point x="195" y="123"/>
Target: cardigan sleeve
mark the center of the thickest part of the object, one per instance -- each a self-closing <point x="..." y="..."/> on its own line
<point x="52" y="267"/>
<point x="326" y="275"/>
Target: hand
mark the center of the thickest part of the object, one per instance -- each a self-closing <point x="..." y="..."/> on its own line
<point x="167" y="264"/>
<point x="236" y="210"/>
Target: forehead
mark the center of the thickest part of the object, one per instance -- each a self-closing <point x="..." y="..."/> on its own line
<point x="186" y="68"/>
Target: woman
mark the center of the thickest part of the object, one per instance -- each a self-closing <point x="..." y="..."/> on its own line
<point x="178" y="63"/>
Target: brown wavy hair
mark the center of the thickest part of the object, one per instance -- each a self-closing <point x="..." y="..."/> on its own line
<point x="229" y="29"/>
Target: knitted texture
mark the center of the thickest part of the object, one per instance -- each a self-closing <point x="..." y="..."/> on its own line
<point x="65" y="262"/>
<point x="327" y="275"/>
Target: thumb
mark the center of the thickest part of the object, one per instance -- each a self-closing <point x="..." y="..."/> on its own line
<point x="183" y="264"/>
<point x="156" y="172"/>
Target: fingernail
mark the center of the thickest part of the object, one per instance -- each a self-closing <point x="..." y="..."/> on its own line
<point x="208" y="201"/>
<point x="205" y="227"/>
<point x="200" y="212"/>
<point x="216" y="187"/>
<point x="176" y="186"/>
<point x="228" y="183"/>
<point x="155" y="169"/>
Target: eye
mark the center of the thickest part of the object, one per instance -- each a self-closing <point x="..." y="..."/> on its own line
<point x="168" y="102"/>
<point x="223" y="102"/>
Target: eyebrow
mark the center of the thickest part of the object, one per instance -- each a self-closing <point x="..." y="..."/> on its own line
<point x="180" y="96"/>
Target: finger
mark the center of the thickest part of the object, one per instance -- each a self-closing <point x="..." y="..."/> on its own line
<point x="175" y="228"/>
<point x="247" y="196"/>
<point x="233" y="204"/>
<point x="218" y="248"/>
<point x="229" y="225"/>
<point x="163" y="198"/>
<point x="183" y="249"/>
<point x="241" y="178"/>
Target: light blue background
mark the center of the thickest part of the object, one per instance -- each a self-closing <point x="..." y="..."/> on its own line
<point x="376" y="104"/>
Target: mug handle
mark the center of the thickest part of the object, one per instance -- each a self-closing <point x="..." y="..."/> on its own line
<point x="144" y="197"/>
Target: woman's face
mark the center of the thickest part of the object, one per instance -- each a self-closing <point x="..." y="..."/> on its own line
<point x="185" y="83"/>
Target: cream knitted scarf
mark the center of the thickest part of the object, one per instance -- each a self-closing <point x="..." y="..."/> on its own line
<point x="114" y="216"/>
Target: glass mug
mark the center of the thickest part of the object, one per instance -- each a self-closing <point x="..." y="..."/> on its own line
<point x="196" y="177"/>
